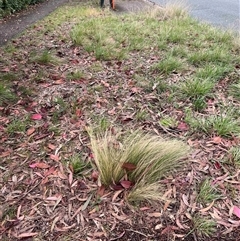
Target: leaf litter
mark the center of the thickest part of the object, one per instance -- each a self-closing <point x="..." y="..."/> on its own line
<point x="40" y="195"/>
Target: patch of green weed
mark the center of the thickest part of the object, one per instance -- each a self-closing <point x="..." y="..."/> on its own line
<point x="234" y="153"/>
<point x="207" y="192"/>
<point x="45" y="58"/>
<point x="141" y="115"/>
<point x="169" y="65"/>
<point x="195" y="88"/>
<point x="78" y="164"/>
<point x="168" y="121"/>
<point x="6" y="95"/>
<point x="17" y="126"/>
<point x="234" y="90"/>
<point x="9" y="77"/>
<point x="223" y="124"/>
<point x="205" y="227"/>
<point x="76" y="75"/>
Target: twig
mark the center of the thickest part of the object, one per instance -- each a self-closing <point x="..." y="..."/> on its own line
<point x="117" y="238"/>
<point x="131" y="230"/>
<point x="168" y="132"/>
<point x="80" y="139"/>
<point x="194" y="236"/>
<point x="26" y="193"/>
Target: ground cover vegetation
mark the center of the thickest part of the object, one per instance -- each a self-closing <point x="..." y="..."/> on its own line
<point x="95" y="105"/>
<point x="10" y="6"/>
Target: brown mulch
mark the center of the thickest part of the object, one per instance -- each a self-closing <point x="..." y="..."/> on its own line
<point x="41" y="197"/>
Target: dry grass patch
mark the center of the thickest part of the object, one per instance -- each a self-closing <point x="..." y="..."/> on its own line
<point x="136" y="162"/>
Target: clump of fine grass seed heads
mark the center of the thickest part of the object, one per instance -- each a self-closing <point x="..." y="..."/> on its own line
<point x="136" y="162"/>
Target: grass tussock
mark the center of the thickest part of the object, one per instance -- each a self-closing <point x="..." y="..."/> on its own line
<point x="207" y="192"/>
<point x="6" y="94"/>
<point x="234" y="154"/>
<point x="156" y="69"/>
<point x="224" y="124"/>
<point x="234" y="90"/>
<point x="176" y="9"/>
<point x="151" y="157"/>
<point x="204" y="227"/>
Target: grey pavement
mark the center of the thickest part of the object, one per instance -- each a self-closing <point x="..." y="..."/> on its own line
<point x="15" y="24"/>
<point x="220" y="13"/>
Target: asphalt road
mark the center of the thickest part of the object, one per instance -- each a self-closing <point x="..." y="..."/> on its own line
<point x="220" y="13"/>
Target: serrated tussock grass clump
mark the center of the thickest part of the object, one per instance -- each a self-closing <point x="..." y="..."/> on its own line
<point x="177" y="9"/>
<point x="152" y="157"/>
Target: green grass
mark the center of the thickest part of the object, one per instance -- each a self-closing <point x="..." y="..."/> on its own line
<point x="224" y="124"/>
<point x="10" y="48"/>
<point x="41" y="76"/>
<point x="10" y="213"/>
<point x="75" y="75"/>
<point x="78" y="164"/>
<point x="55" y="128"/>
<point x="95" y="36"/>
<point x="9" y="77"/>
<point x="201" y="46"/>
<point x="141" y="115"/>
<point x="199" y="103"/>
<point x="178" y="63"/>
<point x="204" y="227"/>
<point x="208" y="56"/>
<point x="195" y="88"/>
<point x="45" y="58"/>
<point x="17" y="127"/>
<point x="109" y="38"/>
<point x="169" y="65"/>
<point x="234" y="90"/>
<point x="60" y="108"/>
<point x="103" y="125"/>
<point x="168" y="121"/>
<point x="153" y="158"/>
<point x="234" y="154"/>
<point x="161" y="86"/>
<point x="6" y="95"/>
<point x="213" y="72"/>
<point x="207" y="193"/>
